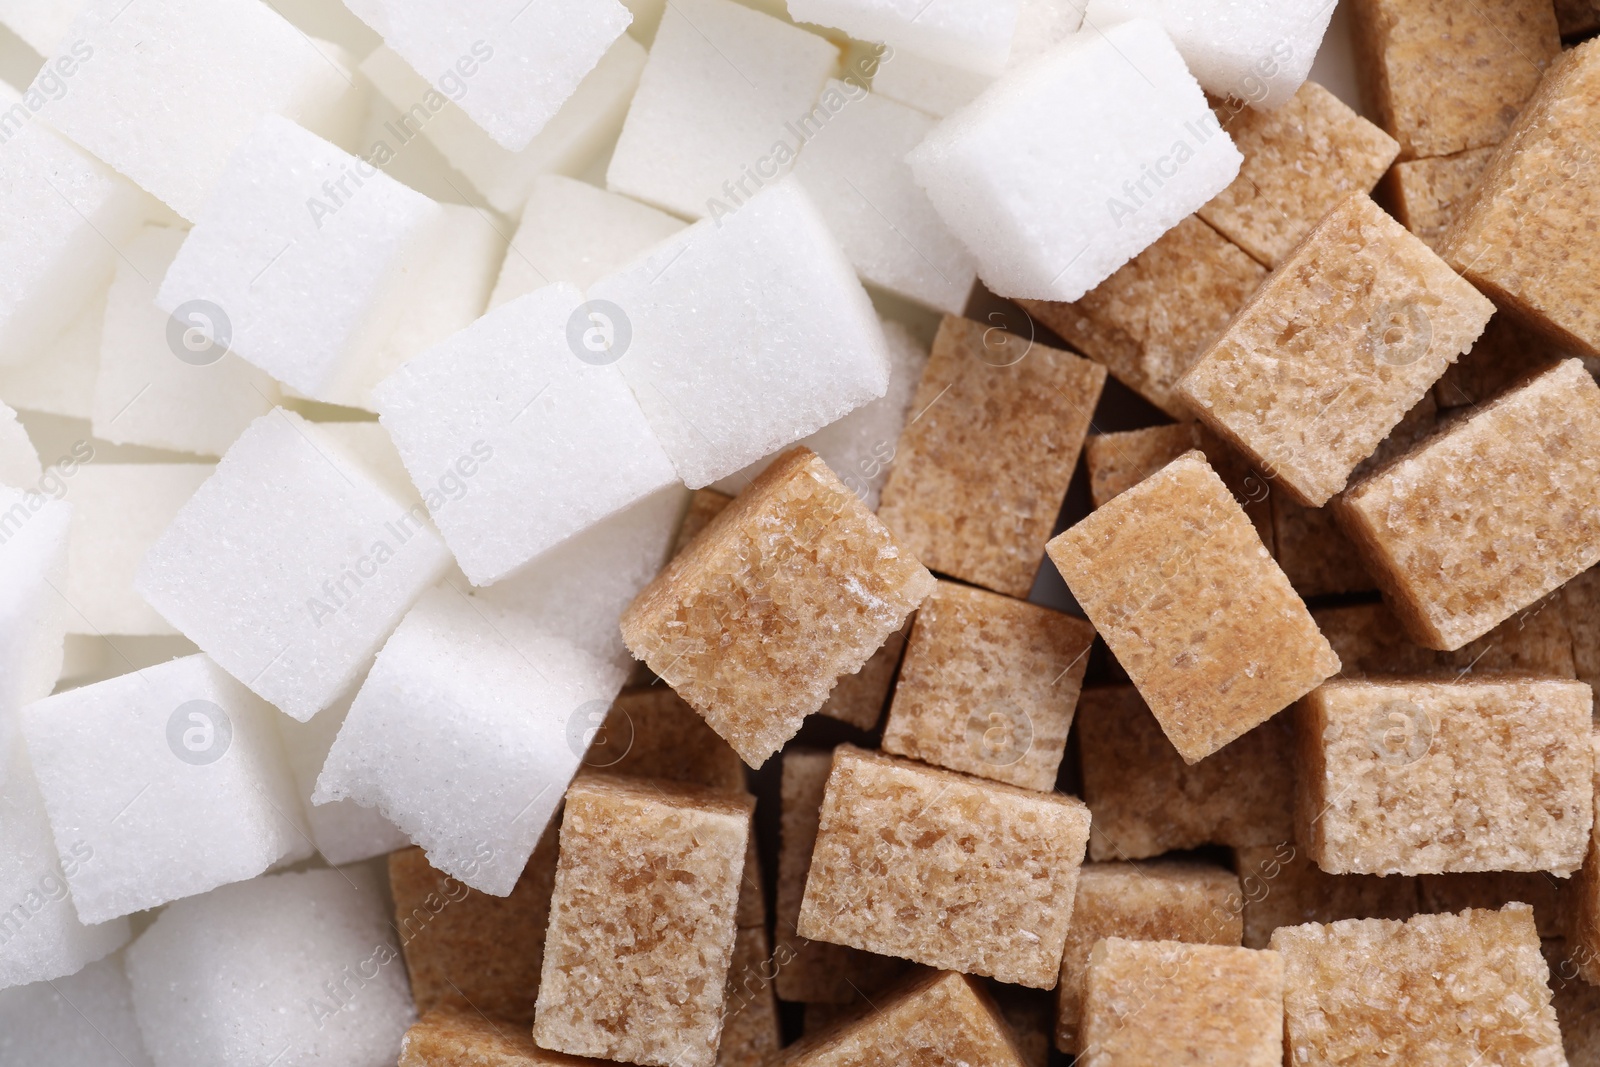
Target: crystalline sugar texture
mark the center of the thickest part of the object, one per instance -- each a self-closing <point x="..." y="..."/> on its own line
<point x="33" y="615"/>
<point x="973" y="34"/>
<point x="82" y="1021"/>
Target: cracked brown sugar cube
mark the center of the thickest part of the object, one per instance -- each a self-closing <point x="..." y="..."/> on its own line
<point x="1119" y="461"/>
<point x="1167" y="900"/>
<point x="984" y="462"/>
<point x="642" y="921"/>
<point x="1435" y="777"/>
<point x="750" y="1034"/>
<point x="1433" y="991"/>
<point x="793" y="585"/>
<point x="859" y="698"/>
<point x="1152" y="319"/>
<point x="988" y="686"/>
<point x="1300" y="160"/>
<point x="1169" y="1002"/>
<point x="1506" y="354"/>
<point x="1283" y="887"/>
<point x="1428" y="194"/>
<point x="462" y="1037"/>
<point x="1528" y="237"/>
<point x="1370" y="641"/>
<point x="943" y="869"/>
<point x="1492" y="890"/>
<point x="1346" y="337"/>
<point x="1178" y="583"/>
<point x="1146" y="800"/>
<point x="1489" y="516"/>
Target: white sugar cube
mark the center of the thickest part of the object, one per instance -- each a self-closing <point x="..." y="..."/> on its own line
<point x="747" y="334"/>
<point x="41" y="23"/>
<point x="174" y="776"/>
<point x="60" y="378"/>
<point x="1041" y="25"/>
<point x="19" y="460"/>
<point x="463" y="734"/>
<point x="1256" y="51"/>
<point x="291" y="564"/>
<point x="724" y="101"/>
<point x="34" y="532"/>
<point x="162" y="383"/>
<point x="1106" y="181"/>
<point x="971" y="34"/>
<point x="855" y="170"/>
<point x="290" y="970"/>
<point x="929" y="86"/>
<point x="517" y="435"/>
<point x="370" y="443"/>
<point x="576" y="233"/>
<point x="85" y="1020"/>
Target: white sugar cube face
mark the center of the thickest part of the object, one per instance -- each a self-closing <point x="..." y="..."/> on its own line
<point x="789" y="344"/>
<point x="928" y="86"/>
<point x="1257" y="51"/>
<point x="291" y="564"/>
<point x="84" y="1020"/>
<point x="971" y="34"/>
<point x="173" y="776"/>
<point x="60" y="378"/>
<point x="1041" y="25"/>
<point x="519" y="437"/>
<point x="462" y="684"/>
<point x="1053" y="223"/>
<point x="722" y="106"/>
<point x="165" y="384"/>
<point x="575" y="233"/>
<point x="290" y="969"/>
<point x="19" y="461"/>
<point x="34" y="533"/>
<point x="855" y="170"/>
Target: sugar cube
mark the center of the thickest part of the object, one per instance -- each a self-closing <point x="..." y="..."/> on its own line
<point x="969" y="34"/>
<point x="34" y="616"/>
<point x="40" y="24"/>
<point x="1370" y="641"/>
<point x="19" y="460"/>
<point x="1284" y="887"/>
<point x="652" y="733"/>
<point x="750" y="1031"/>
<point x="343" y="831"/>
<point x="1119" y="461"/>
<point x="1429" y="193"/>
<point x="462" y="1037"/>
<point x="926" y="84"/>
<point x="859" y="698"/>
<point x="80" y="1021"/>
<point x="1577" y="603"/>
<point x="1508" y="352"/>
<point x="59" y="379"/>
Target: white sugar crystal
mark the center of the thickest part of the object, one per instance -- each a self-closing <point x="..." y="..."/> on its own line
<point x="290" y="970"/>
<point x="724" y="101"/>
<point x="576" y="233"/>
<point x="156" y="388"/>
<point x="462" y="734"/>
<point x="748" y="333"/>
<point x="971" y="34"/>
<point x="41" y="23"/>
<point x="926" y="85"/>
<point x="291" y="564"/>
<point x="85" y="1020"/>
<point x="19" y="460"/>
<point x="855" y="170"/>
<point x="1107" y="181"/>
<point x="1257" y="51"/>
<point x="60" y="379"/>
<point x="34" y="531"/>
<point x="174" y="776"/>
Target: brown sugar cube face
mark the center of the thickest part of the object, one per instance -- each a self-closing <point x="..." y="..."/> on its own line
<point x="1152" y="319"/>
<point x="1370" y="641"/>
<point x="1528" y="237"/>
<point x="859" y="698"/>
<point x="1507" y="353"/>
<point x="946" y="870"/>
<point x="750" y="1034"/>
<point x="1492" y="890"/>
<point x="1579" y="602"/>
<point x="652" y="733"/>
<point x="983" y="465"/>
<point x="1195" y="903"/>
<point x="1433" y="991"/>
<point x="1300" y="160"/>
<point x="1162" y="1002"/>
<point x="1434" y="777"/>
<point x="1119" y="461"/>
<point x="462" y="1037"/>
<point x="642" y="922"/>
<point x="795" y="584"/>
<point x="988" y="686"/>
<point x="1333" y="350"/>
<point x="1428" y="194"/>
<point x="1146" y="800"/>
<point x="1490" y="515"/>
<point x="1283" y="887"/>
<point x="1175" y="578"/>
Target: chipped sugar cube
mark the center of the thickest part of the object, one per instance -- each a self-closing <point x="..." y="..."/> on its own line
<point x="1428" y="194"/>
<point x="1283" y="886"/>
<point x="34" y="617"/>
<point x="77" y="1021"/>
<point x="972" y="35"/>
<point x="1370" y="641"/>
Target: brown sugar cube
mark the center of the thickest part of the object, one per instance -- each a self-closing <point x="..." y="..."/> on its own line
<point x="1579" y="601"/>
<point x="1433" y="991"/>
<point x="950" y="871"/>
<point x="1146" y="800"/>
<point x="704" y="505"/>
<point x="1584" y="901"/>
<point x="859" y="698"/>
<point x="1300" y="160"/>
<point x="1506" y="354"/>
<point x="1165" y="1002"/>
<point x="1283" y="887"/>
<point x="1152" y="319"/>
<point x="1030" y="1016"/>
<point x="1428" y="194"/>
<point x="795" y="584"/>
<point x="1119" y="461"/>
<point x="1196" y="903"/>
<point x="1175" y="578"/>
<point x="983" y="465"/>
<point x="642" y="921"/>
<point x="1495" y="889"/>
<point x="462" y="1037"/>
<point x="652" y="733"/>
<point x="1369" y="641"/>
<point x="1488" y="516"/>
<point x="1433" y="777"/>
<point x="750" y="1034"/>
<point x="1333" y="350"/>
<point x="1577" y="17"/>
<point x="988" y="686"/>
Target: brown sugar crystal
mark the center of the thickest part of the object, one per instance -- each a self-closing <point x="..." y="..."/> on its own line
<point x="1152" y="319"/>
<point x="1166" y="900"/>
<point x="1433" y="991"/>
<point x="1177" y="582"/>
<point x="1432" y="777"/>
<point x="1333" y="350"/>
<point x="988" y="686"/>
<point x="983" y="464"/>
<point x="858" y="698"/>
<point x="1495" y="889"/>
<point x="642" y="921"/>
<point x="795" y="584"/>
<point x="1428" y="194"/>
<point x="954" y="872"/>
<point x="1119" y="461"/>
<point x="1528" y="237"/>
<point x="1169" y="1002"/>
<point x="1488" y="516"/>
<point x="750" y="1034"/>
<point x="1369" y="641"/>
<point x="1283" y="887"/>
<point x="462" y="1037"/>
